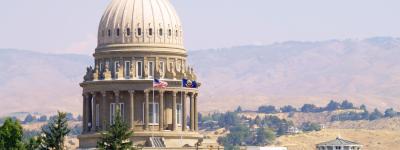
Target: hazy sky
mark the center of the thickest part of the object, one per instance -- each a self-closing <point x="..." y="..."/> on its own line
<point x="70" y="26"/>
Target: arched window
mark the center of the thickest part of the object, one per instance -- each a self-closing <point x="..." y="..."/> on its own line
<point x="176" y="33"/>
<point x="139" y="31"/>
<point x="151" y="31"/>
<point x="160" y="32"/>
<point x="169" y="32"/>
<point x="128" y="31"/>
<point x="109" y="33"/>
<point x="118" y="31"/>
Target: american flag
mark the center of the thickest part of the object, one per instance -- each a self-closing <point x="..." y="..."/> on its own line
<point x="159" y="84"/>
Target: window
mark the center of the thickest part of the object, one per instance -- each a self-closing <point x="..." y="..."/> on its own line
<point x="139" y="31"/>
<point x="151" y="31"/>
<point x="179" y="114"/>
<point x="162" y="69"/>
<point x="107" y="65"/>
<point x="97" y="115"/>
<point x="169" y="32"/>
<point x="160" y="32"/>
<point x="151" y="69"/>
<point x="112" y="113"/>
<point x="118" y="31"/>
<point x="127" y="69"/>
<point x="116" y="67"/>
<point x="176" y="33"/>
<point x="128" y="31"/>
<point x="153" y="113"/>
<point x="109" y="33"/>
<point x="139" y="69"/>
<point x="337" y="147"/>
<point x="113" y="110"/>
<point x="122" y="111"/>
<point x="101" y="67"/>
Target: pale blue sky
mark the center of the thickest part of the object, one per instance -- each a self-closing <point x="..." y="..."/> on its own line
<point x="70" y="26"/>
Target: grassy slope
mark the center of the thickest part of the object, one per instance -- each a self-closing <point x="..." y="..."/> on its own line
<point x="371" y="139"/>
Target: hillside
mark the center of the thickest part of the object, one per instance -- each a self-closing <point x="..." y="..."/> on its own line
<point x="371" y="139"/>
<point x="362" y="71"/>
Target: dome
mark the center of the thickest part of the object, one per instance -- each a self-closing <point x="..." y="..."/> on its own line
<point x="140" y="23"/>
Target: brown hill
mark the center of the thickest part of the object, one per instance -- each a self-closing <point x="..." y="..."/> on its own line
<point x="362" y="71"/>
<point x="371" y="139"/>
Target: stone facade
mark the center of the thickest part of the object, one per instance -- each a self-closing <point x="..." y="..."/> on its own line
<point x="126" y="64"/>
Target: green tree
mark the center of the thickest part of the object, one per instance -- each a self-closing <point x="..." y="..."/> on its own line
<point x="332" y="106"/>
<point x="375" y="115"/>
<point x="390" y="113"/>
<point x="310" y="126"/>
<point x="264" y="136"/>
<point x="34" y="143"/>
<point x="29" y="119"/>
<point x="228" y="119"/>
<point x="288" y="109"/>
<point x="11" y="135"/>
<point x="347" y="105"/>
<point x="117" y="136"/>
<point x="239" y="109"/>
<point x="267" y="109"/>
<point x="237" y="137"/>
<point x="55" y="132"/>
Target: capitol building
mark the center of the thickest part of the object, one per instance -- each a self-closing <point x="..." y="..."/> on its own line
<point x="140" y="41"/>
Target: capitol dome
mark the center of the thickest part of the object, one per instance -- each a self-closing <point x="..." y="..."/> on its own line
<point x="140" y="23"/>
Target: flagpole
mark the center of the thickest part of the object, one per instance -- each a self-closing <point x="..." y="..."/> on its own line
<point x="152" y="132"/>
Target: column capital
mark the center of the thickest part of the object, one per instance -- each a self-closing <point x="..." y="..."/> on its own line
<point x="131" y="92"/>
<point x="116" y="92"/>
<point x="104" y="93"/>
<point x="161" y="92"/>
<point x="174" y="92"/>
<point x="146" y="91"/>
<point x="85" y="95"/>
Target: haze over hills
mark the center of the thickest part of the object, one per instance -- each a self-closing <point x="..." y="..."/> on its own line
<point x="362" y="71"/>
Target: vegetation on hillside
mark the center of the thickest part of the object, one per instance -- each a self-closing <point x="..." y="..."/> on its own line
<point x="52" y="136"/>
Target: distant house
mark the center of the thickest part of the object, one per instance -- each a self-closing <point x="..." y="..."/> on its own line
<point x="265" y="148"/>
<point x="339" y="144"/>
<point x="293" y="130"/>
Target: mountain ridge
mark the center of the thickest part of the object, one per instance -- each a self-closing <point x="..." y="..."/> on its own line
<point x="362" y="71"/>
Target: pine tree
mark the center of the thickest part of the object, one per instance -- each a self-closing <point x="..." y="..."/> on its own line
<point x="117" y="136"/>
<point x="55" y="132"/>
<point x="11" y="135"/>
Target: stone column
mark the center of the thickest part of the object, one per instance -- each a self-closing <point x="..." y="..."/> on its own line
<point x="161" y="112"/>
<point x="192" y="112"/>
<point x="146" y="110"/>
<point x="93" y="113"/>
<point x="131" y="109"/>
<point x="84" y="115"/>
<point x="184" y="111"/>
<point x="103" y="111"/>
<point x="196" y="113"/>
<point x="174" y="110"/>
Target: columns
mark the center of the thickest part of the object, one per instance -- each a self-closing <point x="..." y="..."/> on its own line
<point x="103" y="111"/>
<point x="131" y="109"/>
<point x="93" y="112"/>
<point x="184" y="112"/>
<point x="146" y="110"/>
<point x="192" y="112"/>
<point x="174" y="110"/>
<point x="161" y="110"/>
<point x="85" y="115"/>
<point x="196" y="113"/>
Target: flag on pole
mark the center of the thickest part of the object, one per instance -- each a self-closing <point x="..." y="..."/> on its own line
<point x="159" y="84"/>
